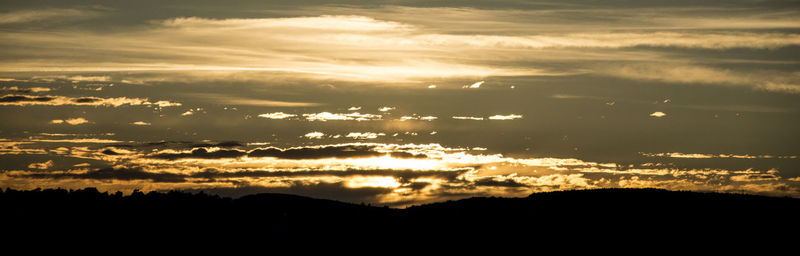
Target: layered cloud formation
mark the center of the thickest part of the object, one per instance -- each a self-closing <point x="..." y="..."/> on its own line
<point x="401" y="44"/>
<point x="398" y="174"/>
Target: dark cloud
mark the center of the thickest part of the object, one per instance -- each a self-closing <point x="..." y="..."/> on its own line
<point x="499" y="183"/>
<point x="334" y="151"/>
<point x="419" y="185"/>
<point x="224" y="144"/>
<point x="110" y="152"/>
<point x="234" y="177"/>
<point x="180" y="144"/>
<point x="407" y="155"/>
<point x="202" y="154"/>
<point x="403" y="175"/>
<point x="87" y="100"/>
<point x="25" y="98"/>
<point x="317" y="152"/>
<point x="111" y="173"/>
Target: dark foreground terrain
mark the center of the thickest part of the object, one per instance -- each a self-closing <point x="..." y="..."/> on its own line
<point x="596" y="212"/>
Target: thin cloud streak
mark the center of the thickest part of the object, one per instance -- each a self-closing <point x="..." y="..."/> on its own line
<point x="40" y="15"/>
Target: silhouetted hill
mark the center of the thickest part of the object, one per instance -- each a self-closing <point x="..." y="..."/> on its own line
<point x="542" y="213"/>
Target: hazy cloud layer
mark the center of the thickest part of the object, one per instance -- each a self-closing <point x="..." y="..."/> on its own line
<point x="402" y="43"/>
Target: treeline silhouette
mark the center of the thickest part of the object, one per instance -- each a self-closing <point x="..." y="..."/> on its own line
<point x="552" y="213"/>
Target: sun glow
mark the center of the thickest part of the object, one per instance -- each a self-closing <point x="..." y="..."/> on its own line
<point x="380" y="182"/>
<point x="388" y="162"/>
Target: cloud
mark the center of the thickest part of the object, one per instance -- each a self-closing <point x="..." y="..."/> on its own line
<point x="80" y="78"/>
<point x="409" y="173"/>
<point x="314" y="135"/>
<point x="71" y="121"/>
<point x="476" y="85"/>
<point x="113" y="173"/>
<point x="201" y="153"/>
<point x="321" y="23"/>
<point x="141" y="123"/>
<point x="76" y="121"/>
<point x="396" y="45"/>
<point x="166" y="103"/>
<point x="43" y="15"/>
<point x="658" y="114"/>
<point x="702" y="156"/>
<point x="11" y="99"/>
<point x="384" y="109"/>
<point x="25" y="100"/>
<point x="468" y="118"/>
<point x="415" y="117"/>
<point x="505" y="117"/>
<point x="233" y="100"/>
<point x="17" y="148"/>
<point x="328" y="116"/>
<point x="492" y="182"/>
<point x="26" y="90"/>
<point x="755" y="177"/>
<point x="626" y="40"/>
<point x="86" y="140"/>
<point x="276" y="115"/>
<point x="248" y="49"/>
<point x="401" y="175"/>
<point x="570" y="96"/>
<point x="690" y="74"/>
<point x="364" y="135"/>
<point x="42" y="166"/>
<point x="348" y="150"/>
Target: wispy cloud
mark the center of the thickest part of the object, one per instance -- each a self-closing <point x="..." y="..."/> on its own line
<point x="689" y="74"/>
<point x="235" y="100"/>
<point x="705" y="156"/>
<point x="46" y="15"/>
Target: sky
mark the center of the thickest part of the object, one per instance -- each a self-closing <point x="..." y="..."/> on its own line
<point x="400" y="103"/>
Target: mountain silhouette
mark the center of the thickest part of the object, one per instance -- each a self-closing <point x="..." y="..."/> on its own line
<point x="555" y="213"/>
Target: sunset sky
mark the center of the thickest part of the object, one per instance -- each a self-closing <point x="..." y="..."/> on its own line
<point x="400" y="102"/>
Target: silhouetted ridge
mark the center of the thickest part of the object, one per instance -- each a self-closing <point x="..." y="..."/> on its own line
<point x="281" y="213"/>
